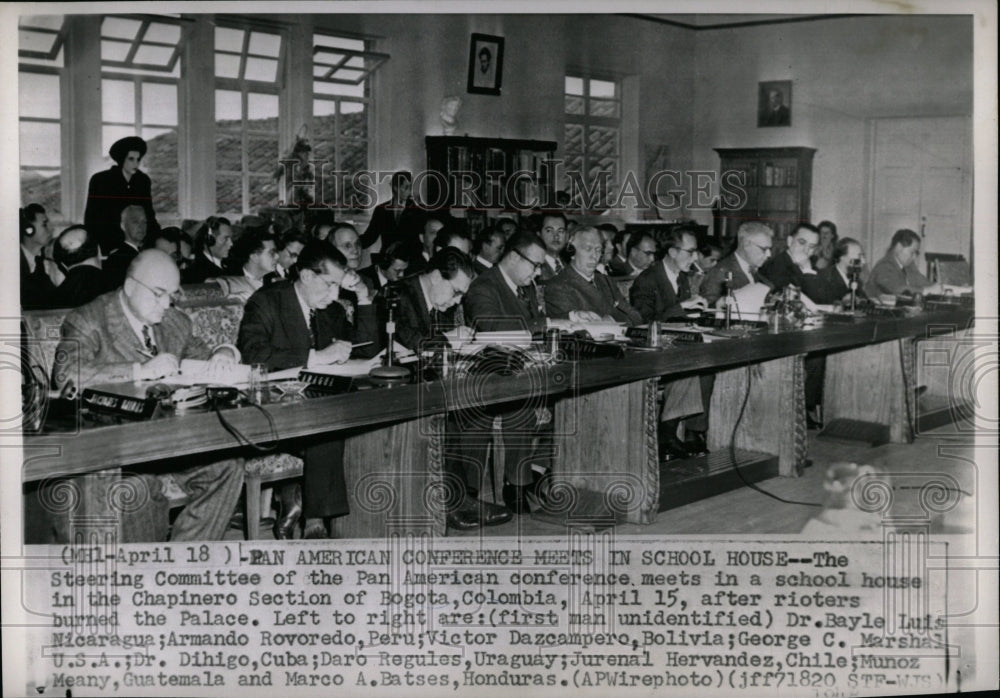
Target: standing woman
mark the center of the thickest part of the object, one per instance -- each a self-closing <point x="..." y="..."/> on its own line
<point x="112" y="190"/>
<point x="827" y="241"/>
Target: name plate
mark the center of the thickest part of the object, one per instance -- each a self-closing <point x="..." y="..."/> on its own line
<point x="118" y="404"/>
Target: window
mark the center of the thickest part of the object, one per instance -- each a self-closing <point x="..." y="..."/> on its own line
<point x="40" y="41"/>
<point x="592" y="137"/>
<point x="140" y="69"/>
<point x="247" y="67"/>
<point x="341" y="111"/>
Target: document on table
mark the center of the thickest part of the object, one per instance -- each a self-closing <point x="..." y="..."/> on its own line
<point x="198" y="372"/>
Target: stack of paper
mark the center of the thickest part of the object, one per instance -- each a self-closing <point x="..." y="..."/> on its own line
<point x="198" y="372"/>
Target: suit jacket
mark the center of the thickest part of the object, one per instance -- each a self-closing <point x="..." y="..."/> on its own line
<point x="107" y="196"/>
<point x="98" y="345"/>
<point x="569" y="291"/>
<point x="479" y="266"/>
<point x="781" y="271"/>
<point x="116" y="265"/>
<point x="83" y="283"/>
<point x="370" y="276"/>
<point x="654" y="297"/>
<point x="619" y="267"/>
<point x="887" y="278"/>
<point x="713" y="285"/>
<point x="548" y="272"/>
<point x="37" y="289"/>
<point x="828" y="286"/>
<point x="415" y="323"/>
<point x="490" y="305"/>
<point x="275" y="332"/>
<point x="202" y="269"/>
<point x="383" y="225"/>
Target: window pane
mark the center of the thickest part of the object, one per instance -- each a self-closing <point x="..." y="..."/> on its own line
<point x="167" y="33"/>
<point x="574" y="105"/>
<point x="117" y="101"/>
<point x="39" y="144"/>
<point x="263" y="191"/>
<point x="573" y="138"/>
<point x="262" y="154"/>
<point x="227" y="66"/>
<point x="261" y="106"/>
<point x="54" y="22"/>
<point x="228" y="193"/>
<point x="228" y="152"/>
<point x="114" y="50"/>
<point x="229" y="39"/>
<point x="330" y="88"/>
<point x="602" y="88"/>
<point x="159" y="104"/>
<point x="161" y="164"/>
<point x="261" y="69"/>
<point x="574" y="86"/>
<point x="604" y="107"/>
<point x="602" y="141"/>
<point x="43" y="187"/>
<point x="154" y="55"/>
<point x="265" y="44"/>
<point x="324" y="107"/>
<point x="35" y="41"/>
<point x="353" y="123"/>
<point x="228" y="105"/>
<point x="38" y="95"/>
<point x="120" y="28"/>
<point x="352" y="75"/>
<point x="338" y="42"/>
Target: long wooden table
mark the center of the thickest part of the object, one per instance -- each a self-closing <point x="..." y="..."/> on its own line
<point x="605" y="417"/>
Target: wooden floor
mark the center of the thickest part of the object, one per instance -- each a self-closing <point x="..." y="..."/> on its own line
<point x="943" y="451"/>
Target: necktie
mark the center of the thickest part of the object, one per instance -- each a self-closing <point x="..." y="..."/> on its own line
<point x="147" y="338"/>
<point x="313" y="331"/>
<point x="559" y="265"/>
<point x="522" y="295"/>
<point x="683" y="287"/>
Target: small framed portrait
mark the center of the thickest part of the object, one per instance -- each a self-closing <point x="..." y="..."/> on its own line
<point x="485" y="64"/>
<point x="774" y="103"/>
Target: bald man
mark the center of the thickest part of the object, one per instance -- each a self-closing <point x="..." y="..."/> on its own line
<point x="77" y="256"/>
<point x="134" y="334"/>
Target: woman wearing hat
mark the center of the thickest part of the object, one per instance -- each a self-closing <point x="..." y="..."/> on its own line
<point x="111" y="190"/>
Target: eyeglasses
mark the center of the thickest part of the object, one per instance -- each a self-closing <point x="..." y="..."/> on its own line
<point x="690" y="250"/>
<point x="535" y="265"/>
<point x="160" y="293"/>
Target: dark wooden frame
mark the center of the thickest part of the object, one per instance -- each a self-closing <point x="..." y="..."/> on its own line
<point x="763" y="88"/>
<point x="475" y="45"/>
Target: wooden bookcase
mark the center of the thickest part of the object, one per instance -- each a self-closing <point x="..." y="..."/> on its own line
<point x="772" y="185"/>
<point x="483" y="176"/>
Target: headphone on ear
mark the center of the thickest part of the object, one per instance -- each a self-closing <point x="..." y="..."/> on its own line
<point x="212" y="223"/>
<point x="27" y="228"/>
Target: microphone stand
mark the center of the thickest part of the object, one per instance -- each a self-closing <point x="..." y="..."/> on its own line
<point x="389" y="372"/>
<point x="729" y="297"/>
<point x="852" y="274"/>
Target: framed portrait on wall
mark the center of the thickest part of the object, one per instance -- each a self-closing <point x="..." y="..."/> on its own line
<point x="774" y="103"/>
<point x="485" y="64"/>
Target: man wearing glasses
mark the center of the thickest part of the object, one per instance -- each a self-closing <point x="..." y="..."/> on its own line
<point x="299" y="323"/>
<point x="134" y="334"/>
<point x="640" y="251"/>
<point x="754" y="242"/>
<point x="792" y="266"/>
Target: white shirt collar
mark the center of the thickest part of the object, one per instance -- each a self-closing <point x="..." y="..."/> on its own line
<point x="254" y="281"/>
<point x="672" y="275"/>
<point x="510" y="284"/>
<point x="485" y="263"/>
<point x="29" y="257"/>
<point x="212" y="258"/>
<point x="744" y="265"/>
<point x="381" y="277"/>
<point x="302" y="304"/>
<point x="635" y="270"/>
<point x="551" y="260"/>
<point x="425" y="287"/>
<point x="843" y="276"/>
<point x="135" y="323"/>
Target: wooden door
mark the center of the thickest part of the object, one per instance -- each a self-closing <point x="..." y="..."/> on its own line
<point x="922" y="181"/>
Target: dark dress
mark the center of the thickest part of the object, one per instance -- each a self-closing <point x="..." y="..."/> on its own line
<point x="107" y="196"/>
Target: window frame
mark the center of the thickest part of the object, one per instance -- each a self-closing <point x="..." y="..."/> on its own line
<point x="586" y="120"/>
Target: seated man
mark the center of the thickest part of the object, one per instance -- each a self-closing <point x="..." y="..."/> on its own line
<point x="390" y="266"/>
<point x="833" y="283"/>
<point x="753" y="247"/>
<point x="552" y="229"/>
<point x="288" y="245"/>
<point x="37" y="287"/>
<point x="133" y="225"/>
<point x="489" y="248"/>
<point x="663" y="293"/>
<point x="580" y="289"/>
<point x="299" y="323"/>
<point x="433" y="224"/>
<point x="426" y="308"/>
<point x="134" y="334"/>
<point x="504" y="299"/>
<point x="212" y="243"/>
<point x="794" y="265"/>
<point x="453" y="236"/>
<point x="640" y="251"/>
<point x="77" y="254"/>
<point x="896" y="274"/>
<point x="255" y="254"/>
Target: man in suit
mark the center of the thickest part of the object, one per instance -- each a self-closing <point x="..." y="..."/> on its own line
<point x="489" y="248"/>
<point x="552" y="229"/>
<point x="754" y="242"/>
<point x="133" y="334"/>
<point x="419" y="258"/>
<point x="133" y="228"/>
<point x="37" y="288"/>
<point x="255" y="254"/>
<point x="397" y="220"/>
<point x="77" y="255"/>
<point x="288" y="244"/>
<point x="896" y="274"/>
<point x="426" y="306"/>
<point x="791" y="267"/>
<point x="833" y="283"/>
<point x="112" y="190"/>
<point x="775" y="112"/>
<point x="390" y="266"/>
<point x="640" y="251"/>
<point x="580" y="288"/>
<point x="663" y="293"/>
<point x="213" y="240"/>
<point x="504" y="299"/>
<point x="618" y="266"/>
<point x="299" y="323"/>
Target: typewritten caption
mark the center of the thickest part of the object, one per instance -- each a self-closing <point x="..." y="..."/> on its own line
<point x="594" y="614"/>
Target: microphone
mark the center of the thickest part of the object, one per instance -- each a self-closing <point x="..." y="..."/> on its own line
<point x="390" y="373"/>
<point x="853" y="274"/>
<point x="729" y="296"/>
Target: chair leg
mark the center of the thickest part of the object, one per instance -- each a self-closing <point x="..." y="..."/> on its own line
<point x="253" y="483"/>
